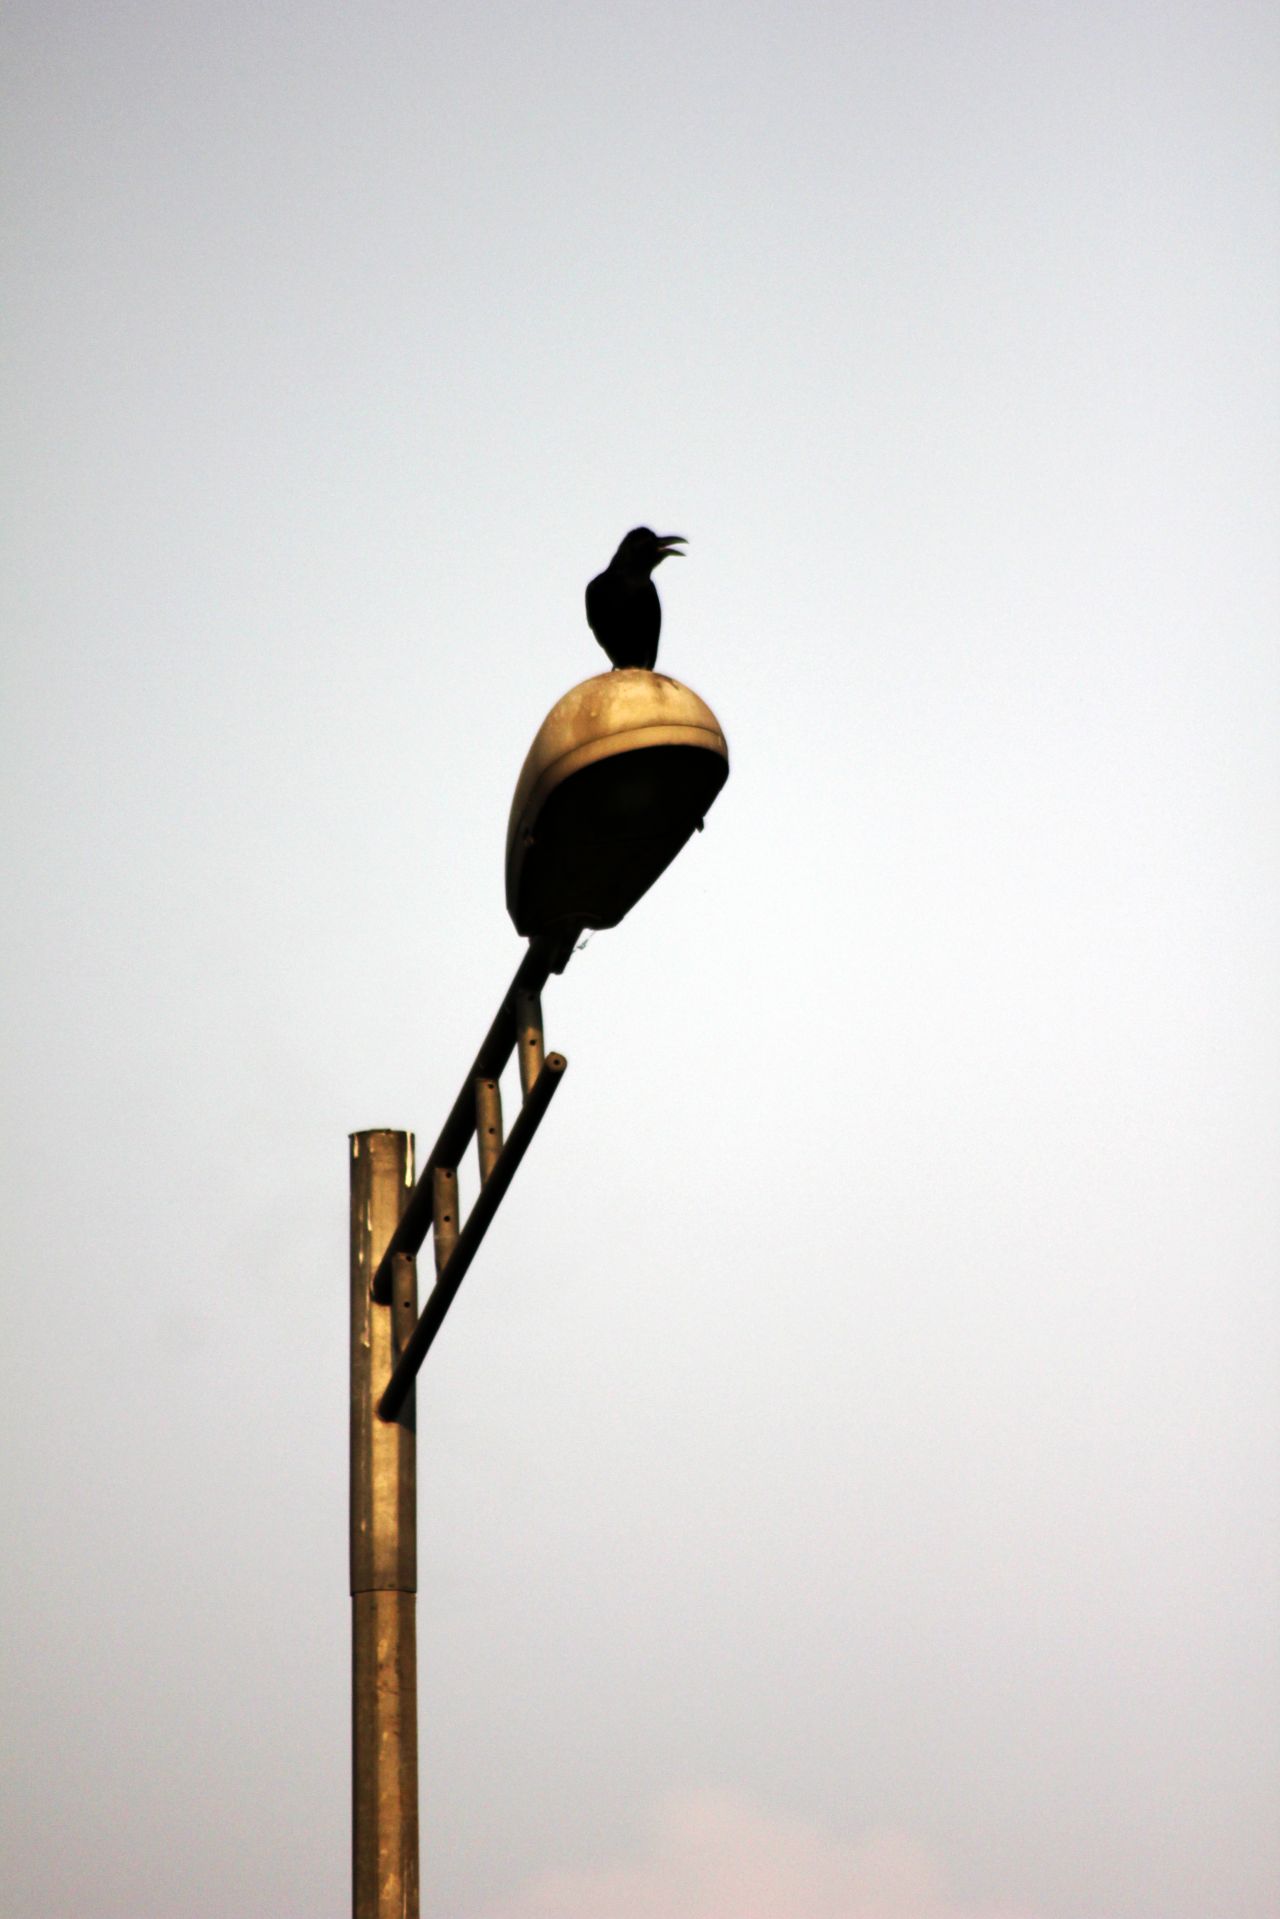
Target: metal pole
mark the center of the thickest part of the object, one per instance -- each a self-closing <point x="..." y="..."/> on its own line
<point x="384" y="1547"/>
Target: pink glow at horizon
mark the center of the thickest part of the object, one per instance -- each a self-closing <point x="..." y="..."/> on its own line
<point x="716" y="1856"/>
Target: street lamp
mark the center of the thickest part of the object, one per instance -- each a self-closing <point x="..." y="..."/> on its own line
<point x="620" y="773"/>
<point x="619" y="776"/>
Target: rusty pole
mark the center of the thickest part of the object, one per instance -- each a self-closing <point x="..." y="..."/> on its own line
<point x="384" y="1545"/>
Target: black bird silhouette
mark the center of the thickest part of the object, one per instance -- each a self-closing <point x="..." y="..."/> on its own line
<point x="623" y="609"/>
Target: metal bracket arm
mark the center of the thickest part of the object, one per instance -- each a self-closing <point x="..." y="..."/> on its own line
<point x="545" y="956"/>
<point x="469" y="1239"/>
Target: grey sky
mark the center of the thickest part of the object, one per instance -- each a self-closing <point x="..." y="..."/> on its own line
<point x="849" y="1476"/>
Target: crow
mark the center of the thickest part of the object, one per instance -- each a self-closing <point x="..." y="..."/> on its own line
<point x="623" y="610"/>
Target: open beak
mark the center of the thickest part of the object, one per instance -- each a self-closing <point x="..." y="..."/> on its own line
<point x="669" y="545"/>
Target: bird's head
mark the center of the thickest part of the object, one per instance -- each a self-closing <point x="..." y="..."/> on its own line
<point x="642" y="549"/>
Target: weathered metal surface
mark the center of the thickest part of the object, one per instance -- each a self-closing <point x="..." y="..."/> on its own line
<point x="383" y="1547"/>
<point x="528" y="1038"/>
<point x="404" y="1300"/>
<point x="383" y="1511"/>
<point x="488" y="1124"/>
<point x="384" y="1752"/>
<point x="620" y="773"/>
<point x="477" y="1225"/>
<point x="444" y="1214"/>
